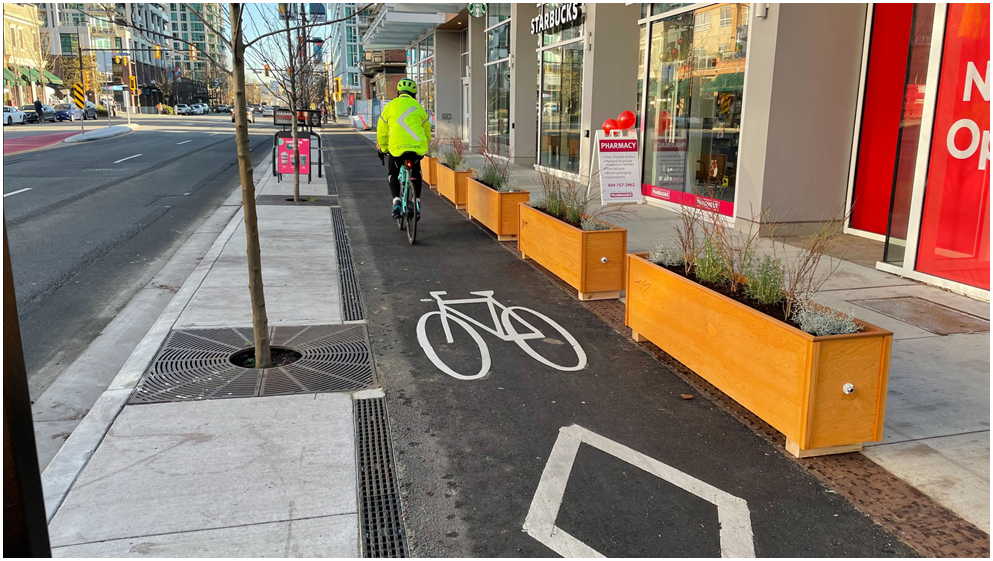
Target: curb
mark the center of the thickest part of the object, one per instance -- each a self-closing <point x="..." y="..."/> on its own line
<point x="62" y="472"/>
<point x="100" y="134"/>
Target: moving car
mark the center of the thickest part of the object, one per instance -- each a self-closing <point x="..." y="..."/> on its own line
<point x="13" y="115"/>
<point x="67" y="112"/>
<point x="48" y="114"/>
<point x="248" y="114"/>
<point x="267" y="111"/>
<point x="182" y="109"/>
<point x="222" y="108"/>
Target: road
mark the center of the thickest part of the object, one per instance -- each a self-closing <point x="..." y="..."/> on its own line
<point x="478" y="459"/>
<point x="89" y="224"/>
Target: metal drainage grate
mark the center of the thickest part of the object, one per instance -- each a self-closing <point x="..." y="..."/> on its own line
<point x="335" y="358"/>
<point x="332" y="184"/>
<point x="351" y="301"/>
<point x="305" y="200"/>
<point x="926" y="315"/>
<point x="383" y="533"/>
<point x="194" y="364"/>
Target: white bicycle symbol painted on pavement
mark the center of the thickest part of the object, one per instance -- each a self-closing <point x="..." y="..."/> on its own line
<point x="503" y="327"/>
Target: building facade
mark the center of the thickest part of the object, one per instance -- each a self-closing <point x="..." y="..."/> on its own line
<point x="194" y="44"/>
<point x="27" y="72"/>
<point x="877" y="113"/>
<point x="346" y="51"/>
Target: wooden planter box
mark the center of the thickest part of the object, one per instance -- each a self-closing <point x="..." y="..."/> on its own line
<point x="590" y="262"/>
<point x="452" y="184"/>
<point x="429" y="171"/>
<point x="792" y="380"/>
<point x="497" y="210"/>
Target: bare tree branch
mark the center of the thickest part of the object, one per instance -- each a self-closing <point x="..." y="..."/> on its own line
<point x="307" y="26"/>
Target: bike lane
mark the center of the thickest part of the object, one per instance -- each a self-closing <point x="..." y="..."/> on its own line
<point x="621" y="464"/>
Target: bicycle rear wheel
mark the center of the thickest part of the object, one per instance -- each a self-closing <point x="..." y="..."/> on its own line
<point x="411" y="212"/>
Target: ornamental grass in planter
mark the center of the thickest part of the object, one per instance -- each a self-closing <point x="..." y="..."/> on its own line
<point x="749" y="326"/>
<point x="453" y="173"/>
<point x="491" y="198"/>
<point x="561" y="231"/>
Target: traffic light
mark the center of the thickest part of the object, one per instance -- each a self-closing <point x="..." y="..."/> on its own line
<point x="337" y="88"/>
<point x="158" y="51"/>
<point x="86" y="79"/>
<point x="193" y="52"/>
<point x="134" y="85"/>
<point x="266" y="69"/>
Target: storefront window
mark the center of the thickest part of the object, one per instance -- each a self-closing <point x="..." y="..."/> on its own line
<point x="495" y="13"/>
<point x="565" y="32"/>
<point x="498" y="43"/>
<point x="909" y="132"/>
<point x="498" y="106"/>
<point x="955" y="224"/>
<point x="561" y="106"/>
<point x="498" y="80"/>
<point x="693" y="108"/>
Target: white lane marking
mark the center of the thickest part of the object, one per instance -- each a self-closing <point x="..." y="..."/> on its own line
<point x="126" y="159"/>
<point x="214" y="133"/>
<point x="732" y="512"/>
<point x="184" y="142"/>
<point x="5" y="195"/>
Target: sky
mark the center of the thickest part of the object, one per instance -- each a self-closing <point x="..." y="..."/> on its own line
<point x="260" y="18"/>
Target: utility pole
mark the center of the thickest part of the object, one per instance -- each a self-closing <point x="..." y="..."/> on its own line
<point x="82" y="75"/>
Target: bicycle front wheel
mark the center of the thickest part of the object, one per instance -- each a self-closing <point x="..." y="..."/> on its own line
<point x="513" y="313"/>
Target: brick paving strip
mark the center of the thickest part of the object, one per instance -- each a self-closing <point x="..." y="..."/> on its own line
<point x="26" y="143"/>
<point x="897" y="506"/>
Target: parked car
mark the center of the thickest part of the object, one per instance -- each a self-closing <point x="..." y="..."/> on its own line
<point x="182" y="109"/>
<point x="222" y="108"/>
<point x="248" y="115"/>
<point x="48" y="114"/>
<point x="267" y="111"/>
<point x="89" y="111"/>
<point x="67" y="112"/>
<point x="13" y="115"/>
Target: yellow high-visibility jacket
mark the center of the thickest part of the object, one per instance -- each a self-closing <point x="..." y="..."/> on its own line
<point x="404" y="126"/>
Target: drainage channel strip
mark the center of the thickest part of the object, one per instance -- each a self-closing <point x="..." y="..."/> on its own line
<point x="383" y="533"/>
<point x="351" y="302"/>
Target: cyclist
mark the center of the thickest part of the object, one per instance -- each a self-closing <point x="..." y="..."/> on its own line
<point x="403" y="132"/>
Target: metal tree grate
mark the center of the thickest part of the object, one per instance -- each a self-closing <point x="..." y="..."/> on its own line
<point x="335" y="358"/>
<point x="305" y="200"/>
<point x="383" y="533"/>
<point x="194" y="364"/>
<point x="351" y="301"/>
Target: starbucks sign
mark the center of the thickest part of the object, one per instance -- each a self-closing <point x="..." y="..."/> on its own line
<point x="560" y="15"/>
<point x="477" y="10"/>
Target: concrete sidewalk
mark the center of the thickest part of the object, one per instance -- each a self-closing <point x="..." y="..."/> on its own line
<point x="265" y="476"/>
<point x="937" y="432"/>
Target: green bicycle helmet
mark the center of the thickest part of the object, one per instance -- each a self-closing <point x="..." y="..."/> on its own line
<point x="408" y="86"/>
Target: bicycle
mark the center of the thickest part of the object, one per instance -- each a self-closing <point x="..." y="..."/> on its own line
<point x="503" y="328"/>
<point x="408" y="202"/>
<point x="408" y="198"/>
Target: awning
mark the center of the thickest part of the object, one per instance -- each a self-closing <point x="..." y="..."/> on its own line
<point x="53" y="79"/>
<point x="723" y="83"/>
<point x="9" y="78"/>
<point x="30" y="74"/>
<point x="396" y="29"/>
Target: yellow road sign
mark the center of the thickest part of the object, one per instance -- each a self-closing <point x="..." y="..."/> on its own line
<point x="78" y="96"/>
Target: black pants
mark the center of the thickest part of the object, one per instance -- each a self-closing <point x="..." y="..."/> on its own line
<point x="393" y="164"/>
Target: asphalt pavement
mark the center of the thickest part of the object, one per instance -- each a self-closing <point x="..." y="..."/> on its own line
<point x="533" y="460"/>
<point x="90" y="224"/>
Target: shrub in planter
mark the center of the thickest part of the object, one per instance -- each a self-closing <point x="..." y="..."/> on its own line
<point x="562" y="232"/>
<point x="429" y="165"/>
<point x="490" y="197"/>
<point x="816" y="375"/>
<point x="453" y="173"/>
<point x="101" y="111"/>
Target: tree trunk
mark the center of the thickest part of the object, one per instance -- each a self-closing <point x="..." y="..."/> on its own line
<point x="260" y="321"/>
